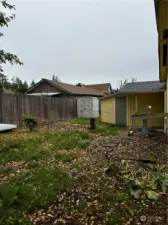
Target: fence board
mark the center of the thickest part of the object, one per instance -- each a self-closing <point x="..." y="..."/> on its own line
<point x="14" y="106"/>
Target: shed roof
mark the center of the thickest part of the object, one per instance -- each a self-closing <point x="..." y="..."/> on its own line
<point x="143" y="87"/>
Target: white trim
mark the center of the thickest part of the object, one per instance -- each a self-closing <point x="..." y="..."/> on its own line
<point x="100" y="113"/>
<point x="165" y="110"/>
<point x="114" y="110"/>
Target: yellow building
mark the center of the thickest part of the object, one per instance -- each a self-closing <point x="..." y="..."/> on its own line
<point x="134" y="98"/>
<point x="161" y="9"/>
<point x="118" y="109"/>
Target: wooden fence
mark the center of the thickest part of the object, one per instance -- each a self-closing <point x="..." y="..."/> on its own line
<point x="48" y="109"/>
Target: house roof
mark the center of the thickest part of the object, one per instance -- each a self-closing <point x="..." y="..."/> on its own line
<point x="69" y="88"/>
<point x="142" y="87"/>
<point x="100" y="87"/>
<point x="77" y="90"/>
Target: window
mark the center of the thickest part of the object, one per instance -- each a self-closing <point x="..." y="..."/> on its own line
<point x="165" y="34"/>
<point x="165" y="55"/>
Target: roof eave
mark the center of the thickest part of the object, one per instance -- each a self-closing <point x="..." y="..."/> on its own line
<point x="92" y="95"/>
<point x="131" y="93"/>
<point x="156" y="11"/>
<point x="141" y="92"/>
<point x="109" y="96"/>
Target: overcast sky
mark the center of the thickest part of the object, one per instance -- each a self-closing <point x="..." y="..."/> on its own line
<point x="87" y="41"/>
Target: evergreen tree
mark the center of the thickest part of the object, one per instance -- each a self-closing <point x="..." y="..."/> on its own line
<point x="18" y="86"/>
<point x="23" y="88"/>
<point x="32" y="83"/>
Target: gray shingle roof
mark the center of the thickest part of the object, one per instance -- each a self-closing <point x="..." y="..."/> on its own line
<point x="141" y="87"/>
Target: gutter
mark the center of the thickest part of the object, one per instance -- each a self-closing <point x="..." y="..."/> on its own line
<point x="156" y="12"/>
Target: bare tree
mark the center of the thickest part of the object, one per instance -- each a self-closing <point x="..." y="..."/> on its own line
<point x="124" y="82"/>
<point x="55" y="78"/>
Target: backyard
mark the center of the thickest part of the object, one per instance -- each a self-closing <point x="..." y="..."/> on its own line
<point x="69" y="174"/>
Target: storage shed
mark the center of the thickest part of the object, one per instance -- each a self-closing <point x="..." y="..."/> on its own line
<point x="88" y="107"/>
<point x="134" y="98"/>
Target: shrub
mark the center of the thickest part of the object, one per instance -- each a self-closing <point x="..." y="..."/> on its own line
<point x="30" y="121"/>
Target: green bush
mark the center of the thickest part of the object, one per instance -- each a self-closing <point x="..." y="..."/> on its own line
<point x="30" y="121"/>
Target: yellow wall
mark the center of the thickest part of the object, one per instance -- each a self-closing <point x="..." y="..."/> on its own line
<point x="108" y="110"/>
<point x="156" y="100"/>
<point x="162" y="25"/>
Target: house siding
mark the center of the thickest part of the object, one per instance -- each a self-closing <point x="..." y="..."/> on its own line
<point x="162" y="25"/>
<point x="108" y="110"/>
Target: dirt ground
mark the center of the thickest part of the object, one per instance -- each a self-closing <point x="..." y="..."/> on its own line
<point x="133" y="147"/>
<point x="97" y="198"/>
<point x="60" y="127"/>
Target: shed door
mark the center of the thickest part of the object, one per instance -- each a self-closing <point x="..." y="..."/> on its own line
<point x="121" y="110"/>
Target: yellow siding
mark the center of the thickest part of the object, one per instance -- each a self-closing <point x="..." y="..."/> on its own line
<point x="108" y="110"/>
<point x="131" y="108"/>
<point x="156" y="100"/>
<point x="162" y="25"/>
<point x="166" y="107"/>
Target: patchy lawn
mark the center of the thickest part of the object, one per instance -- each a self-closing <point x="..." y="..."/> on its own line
<point x="73" y="175"/>
<point x="103" y="129"/>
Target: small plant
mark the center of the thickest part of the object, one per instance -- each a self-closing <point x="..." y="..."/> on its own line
<point x="30" y="121"/>
<point x="149" y="182"/>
